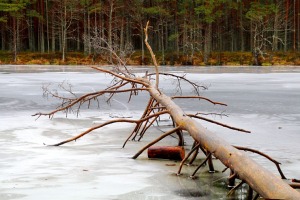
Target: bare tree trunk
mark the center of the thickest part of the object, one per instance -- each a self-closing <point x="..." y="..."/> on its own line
<point x="275" y="35"/>
<point x="78" y="37"/>
<point x="47" y="27"/>
<point x="2" y="38"/>
<point x="89" y="33"/>
<point x="294" y="26"/>
<point x="110" y="27"/>
<point x="162" y="45"/>
<point x="286" y="26"/>
<point x="142" y="44"/>
<point x="207" y="43"/>
<point x="41" y="24"/>
<point x="31" y="45"/>
<point x="64" y="33"/>
<point x="122" y="36"/>
<point x="53" y="32"/>
<point x="242" y="43"/>
<point x="15" y="30"/>
<point x="42" y="38"/>
<point x="86" y="42"/>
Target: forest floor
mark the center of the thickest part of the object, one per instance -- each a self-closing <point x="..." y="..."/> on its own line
<point x="170" y="58"/>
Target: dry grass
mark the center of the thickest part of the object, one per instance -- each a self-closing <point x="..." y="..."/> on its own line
<point x="171" y="58"/>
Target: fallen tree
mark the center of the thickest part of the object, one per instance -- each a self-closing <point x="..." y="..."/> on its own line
<point x="260" y="180"/>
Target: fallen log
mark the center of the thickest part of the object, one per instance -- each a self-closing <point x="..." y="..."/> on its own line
<point x="264" y="182"/>
<point x="166" y="152"/>
<point x="259" y="179"/>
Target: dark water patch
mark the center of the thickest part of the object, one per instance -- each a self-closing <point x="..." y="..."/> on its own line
<point x="191" y="193"/>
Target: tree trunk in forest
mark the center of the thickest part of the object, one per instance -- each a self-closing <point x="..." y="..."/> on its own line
<point x="41" y="24"/>
<point x="42" y="38"/>
<point x="89" y="33"/>
<point x="78" y="37"/>
<point x="242" y="45"/>
<point x="294" y="25"/>
<point x="142" y="44"/>
<point x="110" y="21"/>
<point x="3" y="38"/>
<point x="31" y="44"/>
<point x="47" y="27"/>
<point x="207" y="42"/>
<point x="64" y="32"/>
<point x="53" y="33"/>
<point x="275" y="34"/>
<point x="286" y="26"/>
<point x="14" y="39"/>
<point x="122" y="36"/>
<point x="162" y="45"/>
<point x="86" y="42"/>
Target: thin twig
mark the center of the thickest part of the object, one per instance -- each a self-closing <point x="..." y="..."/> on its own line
<point x="218" y="123"/>
<point x="207" y="157"/>
<point x="185" y="159"/>
<point x="199" y="97"/>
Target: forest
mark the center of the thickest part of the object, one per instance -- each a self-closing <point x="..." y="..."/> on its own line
<point x="182" y="32"/>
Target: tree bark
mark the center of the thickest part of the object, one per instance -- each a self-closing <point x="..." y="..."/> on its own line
<point x="261" y="180"/>
<point x="15" y="35"/>
<point x="207" y="42"/>
<point x="2" y="38"/>
<point x="258" y="178"/>
<point x="53" y="32"/>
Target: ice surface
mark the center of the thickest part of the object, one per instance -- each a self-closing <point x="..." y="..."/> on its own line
<point x="96" y="167"/>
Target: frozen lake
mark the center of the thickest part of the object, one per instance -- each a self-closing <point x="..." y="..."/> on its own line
<point x="265" y="101"/>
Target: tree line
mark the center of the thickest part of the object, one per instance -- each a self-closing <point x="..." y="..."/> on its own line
<point x="182" y="27"/>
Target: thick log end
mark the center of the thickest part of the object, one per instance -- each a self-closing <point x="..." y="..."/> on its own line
<point x="166" y="152"/>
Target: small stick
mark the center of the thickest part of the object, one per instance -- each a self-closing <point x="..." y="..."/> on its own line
<point x="201" y="165"/>
<point x="185" y="159"/>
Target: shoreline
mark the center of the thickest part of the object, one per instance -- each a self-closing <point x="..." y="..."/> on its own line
<point x="9" y="68"/>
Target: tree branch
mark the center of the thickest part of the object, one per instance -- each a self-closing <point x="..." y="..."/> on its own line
<point x="198" y="97"/>
<point x="218" y="123"/>
<point x="152" y="55"/>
